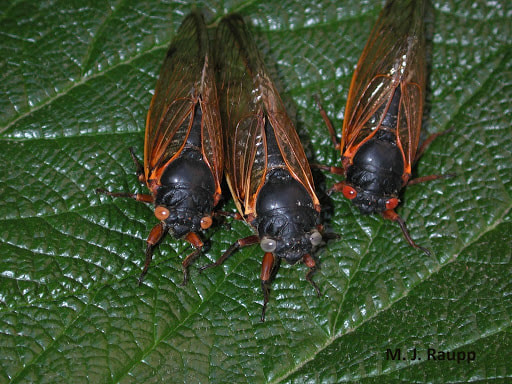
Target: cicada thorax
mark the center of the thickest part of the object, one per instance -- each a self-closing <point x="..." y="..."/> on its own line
<point x="186" y="188"/>
<point x="376" y="172"/>
<point x="286" y="218"/>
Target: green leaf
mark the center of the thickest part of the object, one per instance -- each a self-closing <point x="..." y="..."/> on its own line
<point x="76" y="81"/>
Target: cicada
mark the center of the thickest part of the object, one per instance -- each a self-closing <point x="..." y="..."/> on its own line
<point x="266" y="167"/>
<point x="381" y="128"/>
<point x="183" y="148"/>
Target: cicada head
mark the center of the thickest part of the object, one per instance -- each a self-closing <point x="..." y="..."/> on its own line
<point x="288" y="240"/>
<point x="286" y="218"/>
<point x="374" y="178"/>
<point x="184" y="201"/>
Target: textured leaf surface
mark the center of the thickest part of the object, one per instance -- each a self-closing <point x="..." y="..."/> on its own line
<point x="76" y="81"/>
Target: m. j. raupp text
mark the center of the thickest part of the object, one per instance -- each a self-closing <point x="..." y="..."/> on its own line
<point x="431" y="354"/>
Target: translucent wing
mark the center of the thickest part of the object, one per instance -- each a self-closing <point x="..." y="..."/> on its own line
<point x="212" y="140"/>
<point x="249" y="98"/>
<point x="186" y="78"/>
<point x="393" y="57"/>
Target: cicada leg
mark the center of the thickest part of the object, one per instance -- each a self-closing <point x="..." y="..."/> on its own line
<point x="139" y="167"/>
<point x="240" y="243"/>
<point x="327" y="121"/>
<point x="143" y="197"/>
<point x="390" y="214"/>
<point x="334" y="139"/>
<point x="311" y="264"/>
<point x="155" y="236"/>
<point x="197" y="243"/>
<point x="420" y="152"/>
<point x="269" y="267"/>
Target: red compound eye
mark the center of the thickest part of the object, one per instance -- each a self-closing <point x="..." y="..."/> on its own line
<point x="349" y="192"/>
<point x="206" y="222"/>
<point x="161" y="213"/>
<point x="391" y="203"/>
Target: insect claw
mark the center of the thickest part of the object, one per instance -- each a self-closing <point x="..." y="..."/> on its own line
<point x="265" y="287"/>
<point x="147" y="262"/>
<point x="201" y="269"/>
<point x="425" y="250"/>
<point x="407" y="235"/>
<point x="309" y="279"/>
<point x="185" y="278"/>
